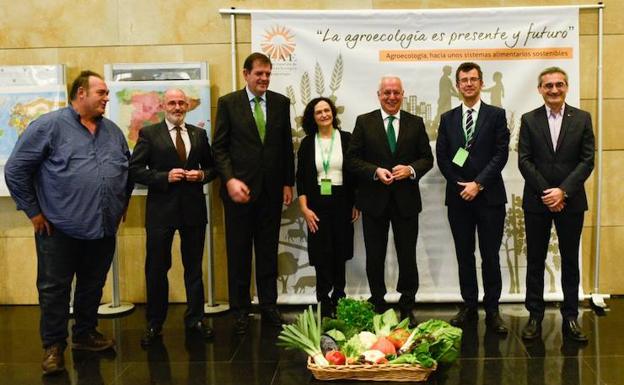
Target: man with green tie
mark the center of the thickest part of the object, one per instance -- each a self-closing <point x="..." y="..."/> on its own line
<point x="254" y="156"/>
<point x="389" y="153"/>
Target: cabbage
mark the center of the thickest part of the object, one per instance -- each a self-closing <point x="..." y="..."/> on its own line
<point x="446" y="340"/>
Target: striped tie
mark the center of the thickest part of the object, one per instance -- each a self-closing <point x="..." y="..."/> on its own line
<point x="469" y="128"/>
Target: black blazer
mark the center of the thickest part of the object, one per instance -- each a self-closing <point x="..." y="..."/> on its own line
<point x="239" y="152"/>
<point x="307" y="175"/>
<point x="171" y="204"/>
<point x="567" y="168"/>
<point x="488" y="154"/>
<point x="369" y="149"/>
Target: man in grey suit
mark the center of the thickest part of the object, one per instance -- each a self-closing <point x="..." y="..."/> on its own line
<point x="254" y="157"/>
<point x="556" y="156"/>
<point x="174" y="160"/>
<point x="389" y="153"/>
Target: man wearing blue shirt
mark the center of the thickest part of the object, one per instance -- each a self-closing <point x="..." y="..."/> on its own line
<point x="69" y="173"/>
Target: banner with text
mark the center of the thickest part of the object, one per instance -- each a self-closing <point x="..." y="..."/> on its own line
<point x="343" y="54"/>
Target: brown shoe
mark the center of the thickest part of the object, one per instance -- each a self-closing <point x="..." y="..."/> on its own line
<point x="93" y="341"/>
<point x="53" y="359"/>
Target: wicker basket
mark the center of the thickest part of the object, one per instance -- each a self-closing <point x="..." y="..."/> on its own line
<point x="385" y="372"/>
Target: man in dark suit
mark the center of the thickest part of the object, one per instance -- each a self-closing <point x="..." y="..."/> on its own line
<point x="472" y="148"/>
<point x="556" y="156"/>
<point x="389" y="153"/>
<point x="254" y="157"/>
<point x="174" y="160"/>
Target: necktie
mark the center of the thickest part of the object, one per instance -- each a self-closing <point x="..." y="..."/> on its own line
<point x="180" y="147"/>
<point x="259" y="118"/>
<point x="469" y="128"/>
<point x="555" y="129"/>
<point x="390" y="134"/>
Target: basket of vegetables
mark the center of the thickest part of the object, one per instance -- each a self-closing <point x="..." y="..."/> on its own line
<point x="361" y="345"/>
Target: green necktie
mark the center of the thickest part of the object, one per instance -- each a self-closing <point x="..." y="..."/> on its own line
<point x="259" y="118"/>
<point x="390" y="134"/>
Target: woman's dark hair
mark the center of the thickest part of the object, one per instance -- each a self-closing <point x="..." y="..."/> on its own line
<point x="308" y="122"/>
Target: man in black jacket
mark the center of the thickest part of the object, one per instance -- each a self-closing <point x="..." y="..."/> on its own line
<point x="389" y="153"/>
<point x="556" y="156"/>
<point x="472" y="150"/>
<point x="174" y="160"/>
<point x="254" y="157"/>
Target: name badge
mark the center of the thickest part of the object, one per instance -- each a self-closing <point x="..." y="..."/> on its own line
<point x="326" y="186"/>
<point x="460" y="157"/>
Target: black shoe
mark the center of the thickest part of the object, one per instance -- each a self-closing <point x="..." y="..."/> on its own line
<point x="151" y="335"/>
<point x="572" y="330"/>
<point x="241" y="323"/>
<point x="379" y="306"/>
<point x="495" y="323"/>
<point x="202" y="329"/>
<point x="53" y="359"/>
<point x="532" y="330"/>
<point x="271" y="316"/>
<point x="411" y="314"/>
<point x="328" y="309"/>
<point x="464" y="315"/>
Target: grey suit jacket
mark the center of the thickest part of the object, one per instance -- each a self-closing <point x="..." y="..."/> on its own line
<point x="567" y="167"/>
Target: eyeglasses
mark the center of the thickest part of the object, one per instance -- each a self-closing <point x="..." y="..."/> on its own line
<point x="550" y="86"/>
<point x="469" y="80"/>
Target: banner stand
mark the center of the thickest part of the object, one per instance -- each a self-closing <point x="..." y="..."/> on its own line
<point x="116" y="307"/>
<point x="597" y="299"/>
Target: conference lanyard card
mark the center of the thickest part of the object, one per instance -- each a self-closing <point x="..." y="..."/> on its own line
<point x="326" y="186"/>
<point x="460" y="157"/>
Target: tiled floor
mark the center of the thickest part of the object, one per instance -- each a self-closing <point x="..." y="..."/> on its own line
<point x="254" y="358"/>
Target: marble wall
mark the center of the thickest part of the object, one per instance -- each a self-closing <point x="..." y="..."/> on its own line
<point x="89" y="34"/>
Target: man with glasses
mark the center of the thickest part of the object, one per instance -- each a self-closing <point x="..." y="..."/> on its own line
<point x="472" y="149"/>
<point x="389" y="153"/>
<point x="555" y="157"/>
<point x="174" y="160"/>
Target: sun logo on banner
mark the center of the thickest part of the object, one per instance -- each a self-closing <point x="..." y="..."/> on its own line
<point x="278" y="43"/>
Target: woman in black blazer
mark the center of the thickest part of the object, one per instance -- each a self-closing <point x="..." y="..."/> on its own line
<point x="326" y="198"/>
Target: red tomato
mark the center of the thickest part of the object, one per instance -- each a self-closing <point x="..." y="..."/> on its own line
<point x="335" y="357"/>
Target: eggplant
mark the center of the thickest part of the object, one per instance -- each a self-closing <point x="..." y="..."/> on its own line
<point x="328" y="344"/>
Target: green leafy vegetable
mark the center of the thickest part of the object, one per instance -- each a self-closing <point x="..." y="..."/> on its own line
<point x="446" y="340"/>
<point x="336" y="334"/>
<point x="353" y="348"/>
<point x="383" y="323"/>
<point x="356" y="314"/>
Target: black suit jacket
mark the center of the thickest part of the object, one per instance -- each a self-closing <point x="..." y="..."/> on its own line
<point x="488" y="154"/>
<point x="369" y="149"/>
<point x="307" y="175"/>
<point x="171" y="204"/>
<point x="239" y="152"/>
<point x="567" y="168"/>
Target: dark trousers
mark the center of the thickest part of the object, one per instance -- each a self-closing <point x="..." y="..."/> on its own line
<point x="488" y="222"/>
<point x="331" y="245"/>
<point x="158" y="263"/>
<point x="256" y="224"/>
<point x="59" y="258"/>
<point x="569" y="227"/>
<point x="405" y="231"/>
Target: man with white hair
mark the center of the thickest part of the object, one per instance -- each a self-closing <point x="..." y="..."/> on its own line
<point x="389" y="153"/>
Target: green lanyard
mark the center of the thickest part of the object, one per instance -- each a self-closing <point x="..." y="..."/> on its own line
<point x="331" y="146"/>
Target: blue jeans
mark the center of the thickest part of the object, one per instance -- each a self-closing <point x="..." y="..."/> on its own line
<point x="59" y="258"/>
